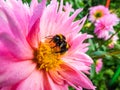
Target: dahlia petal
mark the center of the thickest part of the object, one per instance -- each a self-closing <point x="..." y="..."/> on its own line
<point x="52" y="85"/>
<point x="84" y="47"/>
<point x="16" y="48"/>
<point x="15" y="72"/>
<point x="61" y="6"/>
<point x="77" y="25"/>
<point x="66" y="26"/>
<point x="33" y="5"/>
<point x="39" y="9"/>
<point x="75" y="78"/>
<point x="74" y="15"/>
<point x="5" y="55"/>
<point x="57" y="20"/>
<point x="76" y="88"/>
<point x="33" y="37"/>
<point x="33" y="82"/>
<point x="14" y="26"/>
<point x="68" y="8"/>
<point x="56" y="77"/>
<point x="85" y="58"/>
<point x="46" y="82"/>
<point x="76" y="63"/>
<point x="48" y="25"/>
<point x="6" y="88"/>
<point x="2" y="23"/>
<point x="79" y="39"/>
<point x="82" y="22"/>
<point x="81" y="57"/>
<point x="22" y="13"/>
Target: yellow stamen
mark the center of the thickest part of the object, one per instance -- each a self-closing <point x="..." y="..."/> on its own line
<point x="46" y="57"/>
<point x="98" y="14"/>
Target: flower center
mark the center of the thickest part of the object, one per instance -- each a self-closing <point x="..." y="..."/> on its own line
<point x="98" y="14"/>
<point x="46" y="56"/>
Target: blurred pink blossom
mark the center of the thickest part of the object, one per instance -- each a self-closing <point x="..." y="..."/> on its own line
<point x="99" y="65"/>
<point x="113" y="41"/>
<point x="104" y="26"/>
<point x="98" y="12"/>
<point x="27" y="60"/>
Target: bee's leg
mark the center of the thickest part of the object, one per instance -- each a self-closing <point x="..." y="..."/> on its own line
<point x="49" y="37"/>
<point x="54" y="46"/>
<point x="50" y="41"/>
<point x="58" y="52"/>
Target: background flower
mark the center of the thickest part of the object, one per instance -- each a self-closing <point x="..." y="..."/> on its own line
<point x="104" y="26"/>
<point x="97" y="12"/>
<point x="113" y="41"/>
<point x="99" y="65"/>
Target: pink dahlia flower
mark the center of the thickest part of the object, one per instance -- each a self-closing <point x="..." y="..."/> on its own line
<point x="99" y="65"/>
<point x="97" y="12"/>
<point x="40" y="47"/>
<point x="104" y="26"/>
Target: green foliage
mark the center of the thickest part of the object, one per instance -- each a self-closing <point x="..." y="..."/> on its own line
<point x="71" y="88"/>
<point x="26" y="1"/>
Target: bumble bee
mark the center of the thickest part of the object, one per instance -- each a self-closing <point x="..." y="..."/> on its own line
<point x="60" y="41"/>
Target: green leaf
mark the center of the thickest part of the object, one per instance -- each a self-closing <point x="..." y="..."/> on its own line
<point x="71" y="88"/>
<point x="115" y="76"/>
<point x="99" y="53"/>
<point x="26" y="1"/>
<point x="92" y="47"/>
<point x="92" y="71"/>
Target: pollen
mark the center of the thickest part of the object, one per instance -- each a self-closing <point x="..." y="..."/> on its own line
<point x="46" y="57"/>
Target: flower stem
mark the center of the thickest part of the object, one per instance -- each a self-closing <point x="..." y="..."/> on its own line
<point x="107" y="3"/>
<point x="110" y="53"/>
<point x="113" y="35"/>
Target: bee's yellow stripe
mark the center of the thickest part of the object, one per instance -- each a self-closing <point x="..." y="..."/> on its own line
<point x="61" y="36"/>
